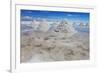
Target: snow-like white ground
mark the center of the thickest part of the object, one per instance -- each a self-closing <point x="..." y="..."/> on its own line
<point x="64" y="43"/>
<point x="40" y="48"/>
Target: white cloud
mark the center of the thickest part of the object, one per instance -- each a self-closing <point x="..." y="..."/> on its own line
<point x="26" y="17"/>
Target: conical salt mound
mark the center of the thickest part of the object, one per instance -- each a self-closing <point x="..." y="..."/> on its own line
<point x="43" y="26"/>
<point x="64" y="27"/>
<point x="53" y="27"/>
<point x="35" y="24"/>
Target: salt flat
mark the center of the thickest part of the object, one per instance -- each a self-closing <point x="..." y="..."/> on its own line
<point x="54" y="46"/>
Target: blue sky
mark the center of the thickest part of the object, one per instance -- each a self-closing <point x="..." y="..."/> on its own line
<point x="57" y="15"/>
